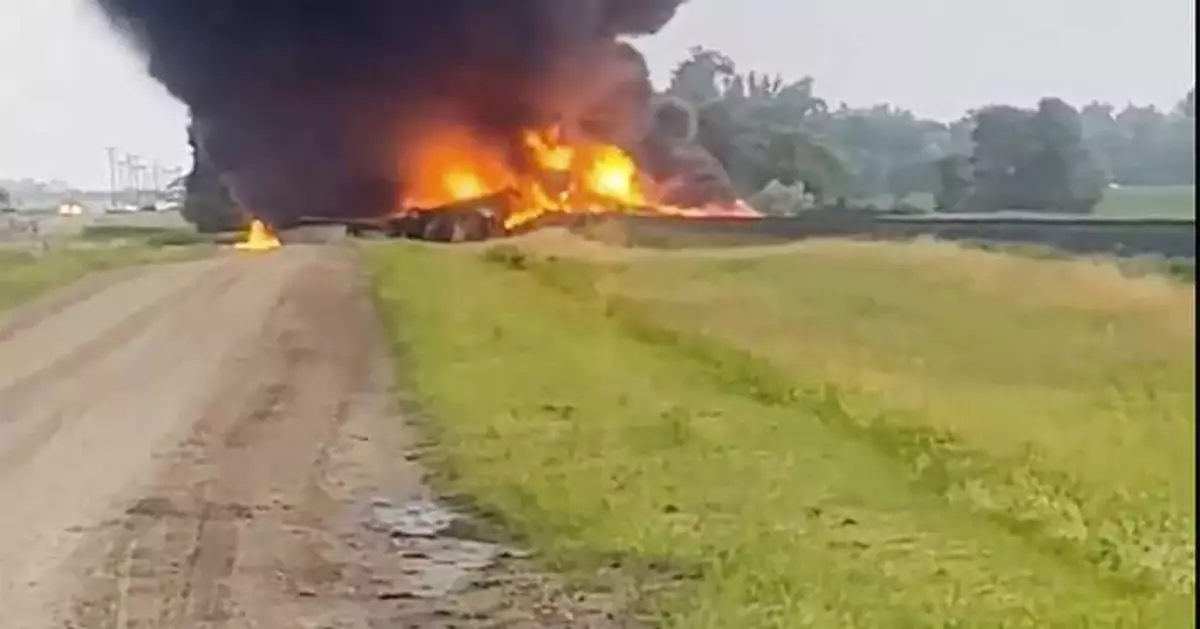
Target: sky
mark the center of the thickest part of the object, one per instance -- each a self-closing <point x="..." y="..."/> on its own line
<point x="70" y="88"/>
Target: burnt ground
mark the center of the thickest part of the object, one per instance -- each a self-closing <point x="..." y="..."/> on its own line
<point x="217" y="444"/>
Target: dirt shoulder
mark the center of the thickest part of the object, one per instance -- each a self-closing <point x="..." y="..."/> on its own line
<point x="216" y="444"/>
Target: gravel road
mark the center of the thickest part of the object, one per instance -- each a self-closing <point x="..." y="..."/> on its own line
<point x="203" y="445"/>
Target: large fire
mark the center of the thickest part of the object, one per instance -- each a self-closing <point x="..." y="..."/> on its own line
<point x="558" y="176"/>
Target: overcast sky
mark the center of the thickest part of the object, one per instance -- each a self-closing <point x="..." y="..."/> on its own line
<point x="69" y="87"/>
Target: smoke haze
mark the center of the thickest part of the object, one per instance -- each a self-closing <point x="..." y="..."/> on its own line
<point x="303" y="106"/>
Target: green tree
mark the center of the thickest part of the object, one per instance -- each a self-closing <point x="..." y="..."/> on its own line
<point x="1187" y="106"/>
<point x="1003" y="138"/>
<point x="907" y="178"/>
<point x="1061" y="173"/>
<point x="1143" y="145"/>
<point x="1028" y="160"/>
<point x="955" y="176"/>
<point x="759" y="127"/>
<point x="703" y="77"/>
<point x="879" y="139"/>
<point x="1180" y="152"/>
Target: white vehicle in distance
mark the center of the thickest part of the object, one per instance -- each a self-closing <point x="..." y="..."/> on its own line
<point x="70" y="208"/>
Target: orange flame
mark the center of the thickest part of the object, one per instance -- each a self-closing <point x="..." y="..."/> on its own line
<point x="259" y="238"/>
<point x="452" y="165"/>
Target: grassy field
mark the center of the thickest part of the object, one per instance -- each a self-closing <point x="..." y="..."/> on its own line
<point x="823" y="435"/>
<point x="1132" y="202"/>
<point x="26" y="274"/>
<point x="1169" y="201"/>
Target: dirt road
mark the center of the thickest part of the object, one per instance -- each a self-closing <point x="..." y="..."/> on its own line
<point x="202" y="445"/>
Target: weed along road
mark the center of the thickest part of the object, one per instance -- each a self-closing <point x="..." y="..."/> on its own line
<point x="196" y="445"/>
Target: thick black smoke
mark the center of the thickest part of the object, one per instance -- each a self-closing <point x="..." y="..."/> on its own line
<point x="303" y="105"/>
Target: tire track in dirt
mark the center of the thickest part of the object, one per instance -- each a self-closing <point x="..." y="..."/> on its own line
<point x="30" y="422"/>
<point x="86" y="398"/>
<point x="114" y="314"/>
<point x="57" y="301"/>
<point x="221" y="539"/>
<point x="212" y="438"/>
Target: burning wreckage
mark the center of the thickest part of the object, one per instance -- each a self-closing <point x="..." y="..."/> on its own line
<point x="462" y="193"/>
<point x="445" y="121"/>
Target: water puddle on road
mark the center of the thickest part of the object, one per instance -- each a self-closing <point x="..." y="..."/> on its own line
<point x="437" y="563"/>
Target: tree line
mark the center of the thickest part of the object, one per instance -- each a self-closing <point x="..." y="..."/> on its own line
<point x="770" y="132"/>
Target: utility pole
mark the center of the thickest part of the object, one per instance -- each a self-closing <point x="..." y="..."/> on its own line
<point x="131" y="181"/>
<point x="112" y="177"/>
<point x="157" y="182"/>
<point x="122" y="178"/>
<point x="143" y="183"/>
<point x="172" y="175"/>
<point x="135" y="172"/>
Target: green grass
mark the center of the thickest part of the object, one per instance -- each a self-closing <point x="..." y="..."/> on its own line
<point x="1151" y="201"/>
<point x="829" y="435"/>
<point x="1130" y="202"/>
<point x="153" y="236"/>
<point x="25" y="275"/>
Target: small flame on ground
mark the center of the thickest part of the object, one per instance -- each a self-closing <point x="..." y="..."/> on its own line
<point x="259" y="238"/>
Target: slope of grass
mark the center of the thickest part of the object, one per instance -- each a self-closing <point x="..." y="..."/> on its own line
<point x="26" y="274"/>
<point x="832" y="436"/>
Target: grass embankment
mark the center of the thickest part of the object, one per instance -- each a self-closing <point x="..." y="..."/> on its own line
<point x="27" y="274"/>
<point x="838" y="435"/>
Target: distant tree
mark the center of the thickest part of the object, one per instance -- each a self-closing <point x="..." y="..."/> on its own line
<point x="1061" y="174"/>
<point x="907" y="178"/>
<point x="5" y="198"/>
<point x="1003" y="138"/>
<point x="1187" y="106"/>
<point x="1032" y="160"/>
<point x="762" y="128"/>
<point x="759" y="127"/>
<point x="1143" y="145"/>
<point x="702" y="77"/>
<point x="955" y="178"/>
<point x="1181" y="150"/>
<point x="1024" y="159"/>
<point x="1103" y="135"/>
<point x="877" y="140"/>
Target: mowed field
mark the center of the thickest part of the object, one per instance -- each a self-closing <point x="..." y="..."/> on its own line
<point x="1152" y="201"/>
<point x="820" y="435"/>
<point x="1131" y="202"/>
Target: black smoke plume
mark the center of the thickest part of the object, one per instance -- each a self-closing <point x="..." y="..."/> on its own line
<point x="302" y="106"/>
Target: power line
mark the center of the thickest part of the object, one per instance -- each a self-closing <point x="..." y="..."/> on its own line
<point x="132" y="180"/>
